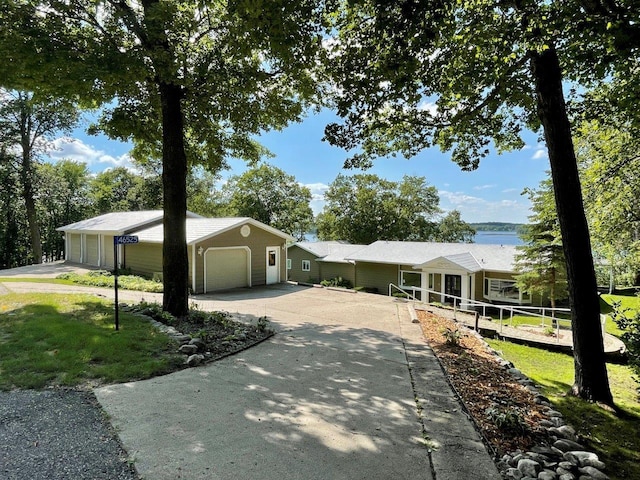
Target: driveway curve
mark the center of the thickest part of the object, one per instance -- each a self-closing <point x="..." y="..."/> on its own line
<point x="348" y="389"/>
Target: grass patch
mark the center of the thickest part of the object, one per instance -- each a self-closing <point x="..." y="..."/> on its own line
<point x="631" y="302"/>
<point x="68" y="340"/>
<point x="615" y="438"/>
<point x="102" y="278"/>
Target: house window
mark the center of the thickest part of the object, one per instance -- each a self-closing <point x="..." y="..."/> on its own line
<point x="410" y="279"/>
<point x="432" y="281"/>
<point x="504" y="291"/>
<point x="288" y="264"/>
<point x="306" y="265"/>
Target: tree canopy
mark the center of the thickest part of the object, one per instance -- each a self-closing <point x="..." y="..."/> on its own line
<point x="269" y="195"/>
<point x="189" y="81"/>
<point x="609" y="169"/>
<point x="27" y="122"/>
<point x="469" y="76"/>
<point x="364" y="208"/>
<point x="540" y="262"/>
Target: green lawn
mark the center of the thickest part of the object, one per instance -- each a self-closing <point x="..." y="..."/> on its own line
<point x="50" y="339"/>
<point x="632" y="302"/>
<point x="615" y="438"/>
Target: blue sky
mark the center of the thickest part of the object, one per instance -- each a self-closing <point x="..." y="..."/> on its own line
<point x="490" y="193"/>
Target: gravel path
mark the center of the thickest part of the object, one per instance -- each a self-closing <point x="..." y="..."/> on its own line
<point x="58" y="434"/>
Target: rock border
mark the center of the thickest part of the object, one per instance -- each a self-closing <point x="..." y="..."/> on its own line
<point x="563" y="458"/>
<point x="194" y="348"/>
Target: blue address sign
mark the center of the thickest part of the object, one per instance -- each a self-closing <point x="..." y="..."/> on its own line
<point x="125" y="239"/>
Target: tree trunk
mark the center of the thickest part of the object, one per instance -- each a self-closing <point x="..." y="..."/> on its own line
<point x="26" y="177"/>
<point x="175" y="264"/>
<point x="591" y="381"/>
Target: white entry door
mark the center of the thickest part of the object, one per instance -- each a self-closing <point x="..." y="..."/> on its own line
<point x="273" y="265"/>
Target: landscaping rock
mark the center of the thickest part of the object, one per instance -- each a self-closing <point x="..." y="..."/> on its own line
<point x="547" y="475"/>
<point x="594" y="473"/>
<point x="181" y="338"/>
<point x="198" y="342"/>
<point x="188" y="349"/>
<point x="553" y="413"/>
<point x="567" y="476"/>
<point x="586" y="459"/>
<point x="565" y="431"/>
<point x="195" y="360"/>
<point x="529" y="468"/>
<point x="513" y="474"/>
<point x="568" y="446"/>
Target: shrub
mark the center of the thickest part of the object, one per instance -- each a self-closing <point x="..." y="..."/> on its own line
<point x="452" y="336"/>
<point x="509" y="419"/>
<point x="337" y="282"/>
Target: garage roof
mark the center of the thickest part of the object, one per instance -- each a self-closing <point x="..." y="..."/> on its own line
<point x="116" y="223"/>
<point x="200" y="229"/>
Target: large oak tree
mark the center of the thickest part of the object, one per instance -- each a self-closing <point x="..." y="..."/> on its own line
<point x="189" y="80"/>
<point x="465" y="76"/>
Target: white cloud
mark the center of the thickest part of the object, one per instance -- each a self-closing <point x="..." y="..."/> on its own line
<point x="77" y="150"/>
<point x="476" y="209"/>
<point x="317" y="195"/>
<point x="540" y="153"/>
<point x="483" y="187"/>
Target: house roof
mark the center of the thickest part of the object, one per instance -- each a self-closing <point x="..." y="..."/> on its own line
<point x="319" y="249"/>
<point x="487" y="257"/>
<point x="338" y="253"/>
<point x="200" y="229"/>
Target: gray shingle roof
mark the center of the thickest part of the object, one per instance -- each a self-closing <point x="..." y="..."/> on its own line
<point x="338" y="253"/>
<point x="488" y="257"/>
<point x="199" y="229"/>
<point x="319" y="249"/>
<point x="115" y="223"/>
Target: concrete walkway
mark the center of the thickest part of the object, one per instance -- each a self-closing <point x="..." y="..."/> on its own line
<point x="348" y="389"/>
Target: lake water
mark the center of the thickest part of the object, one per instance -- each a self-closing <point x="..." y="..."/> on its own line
<point x="498" y="238"/>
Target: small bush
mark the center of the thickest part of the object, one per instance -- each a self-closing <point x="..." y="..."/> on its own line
<point x="452" y="336"/>
<point x="337" y="282"/>
<point x="509" y="419"/>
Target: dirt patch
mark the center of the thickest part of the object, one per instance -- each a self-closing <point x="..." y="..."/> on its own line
<point x="504" y="410"/>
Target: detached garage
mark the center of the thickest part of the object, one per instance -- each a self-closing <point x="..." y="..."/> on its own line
<point x="223" y="253"/>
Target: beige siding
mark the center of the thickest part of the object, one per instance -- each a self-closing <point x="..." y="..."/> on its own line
<point x="376" y="275"/>
<point x="143" y="258"/>
<point x="91" y="256"/>
<point x="297" y="255"/>
<point x="75" y="247"/>
<point x="332" y="270"/>
<point x="107" y="254"/>
<point x="257" y="241"/>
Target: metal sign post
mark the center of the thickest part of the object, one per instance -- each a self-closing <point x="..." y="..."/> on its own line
<point x="119" y="240"/>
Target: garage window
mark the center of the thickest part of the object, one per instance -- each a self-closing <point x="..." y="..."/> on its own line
<point x="288" y="264"/>
<point x="306" y="265"/>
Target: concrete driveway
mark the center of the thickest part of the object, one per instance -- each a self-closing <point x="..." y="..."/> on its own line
<point x="332" y="396"/>
<point x="348" y="389"/>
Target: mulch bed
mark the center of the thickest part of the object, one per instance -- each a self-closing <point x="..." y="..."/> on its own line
<point x="504" y="410"/>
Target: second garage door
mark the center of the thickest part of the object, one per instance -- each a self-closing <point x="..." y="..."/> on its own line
<point x="226" y="268"/>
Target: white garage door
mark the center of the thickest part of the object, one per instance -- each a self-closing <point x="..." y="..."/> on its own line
<point x="226" y="268"/>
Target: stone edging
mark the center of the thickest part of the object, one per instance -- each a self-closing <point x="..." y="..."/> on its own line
<point x="193" y="347"/>
<point x="563" y="459"/>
